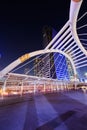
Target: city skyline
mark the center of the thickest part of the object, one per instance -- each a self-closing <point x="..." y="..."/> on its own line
<point x="22" y="24"/>
<point x="43" y="65"/>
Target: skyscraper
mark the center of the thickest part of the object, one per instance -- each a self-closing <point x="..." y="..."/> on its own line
<point x="53" y="65"/>
<point x="70" y="70"/>
<point x="49" y="60"/>
<point x="45" y="65"/>
<point x="39" y="64"/>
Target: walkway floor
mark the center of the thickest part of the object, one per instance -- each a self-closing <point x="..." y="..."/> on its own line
<point x="58" y="111"/>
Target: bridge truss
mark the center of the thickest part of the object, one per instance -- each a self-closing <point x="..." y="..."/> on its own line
<point x="66" y="42"/>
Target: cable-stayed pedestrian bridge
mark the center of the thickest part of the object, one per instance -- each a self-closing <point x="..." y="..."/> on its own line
<point x="67" y="43"/>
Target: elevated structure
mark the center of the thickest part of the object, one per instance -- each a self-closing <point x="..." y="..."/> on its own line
<point x="32" y="54"/>
<point x="69" y="41"/>
<point x="66" y="42"/>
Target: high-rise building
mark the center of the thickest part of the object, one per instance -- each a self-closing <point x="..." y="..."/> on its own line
<point x="39" y="64"/>
<point x="49" y="60"/>
<point x="47" y="69"/>
<point x="70" y="70"/>
<point x="52" y="65"/>
<point x="47" y="35"/>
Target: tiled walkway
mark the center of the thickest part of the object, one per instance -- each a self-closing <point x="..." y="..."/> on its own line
<point x="58" y="111"/>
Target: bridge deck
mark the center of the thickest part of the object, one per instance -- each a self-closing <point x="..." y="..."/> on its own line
<point x="57" y="111"/>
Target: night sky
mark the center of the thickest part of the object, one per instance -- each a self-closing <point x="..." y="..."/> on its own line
<point x="21" y="26"/>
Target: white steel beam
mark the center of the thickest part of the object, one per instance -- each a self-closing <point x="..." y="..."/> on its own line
<point x="83" y="39"/>
<point x="77" y="53"/>
<point x="82" y="16"/>
<point x="72" y="48"/>
<point x="74" y="10"/>
<point x="66" y="43"/>
<point x="67" y="48"/>
<point x="30" y="55"/>
<point x="60" y="39"/>
<point x="67" y="38"/>
<point x="78" y="60"/>
<point x="85" y="44"/>
<point x="82" y="34"/>
<point x="73" y="51"/>
<point x="57" y="35"/>
<point x="78" y="56"/>
<point x="81" y="62"/>
<point x="77" y="67"/>
<point x="82" y="26"/>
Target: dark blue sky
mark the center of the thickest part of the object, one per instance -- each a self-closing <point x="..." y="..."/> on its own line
<point x="21" y="26"/>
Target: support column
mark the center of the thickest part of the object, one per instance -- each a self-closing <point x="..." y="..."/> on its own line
<point x="34" y="88"/>
<point x="4" y="89"/>
<point x="75" y="81"/>
<point x="44" y="87"/>
<point x="21" y="89"/>
<point x="51" y="87"/>
<point x="57" y="86"/>
<point x="61" y="86"/>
